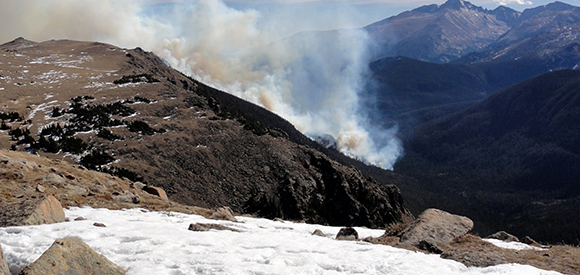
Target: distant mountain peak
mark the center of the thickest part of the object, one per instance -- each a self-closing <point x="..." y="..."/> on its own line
<point x="454" y="4"/>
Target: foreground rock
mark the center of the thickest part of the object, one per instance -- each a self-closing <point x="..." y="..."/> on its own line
<point x="435" y="228"/>
<point x="3" y="264"/>
<point x="70" y="256"/>
<point x="33" y="211"/>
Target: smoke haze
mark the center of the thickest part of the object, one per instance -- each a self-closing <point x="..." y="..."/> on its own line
<point x="312" y="79"/>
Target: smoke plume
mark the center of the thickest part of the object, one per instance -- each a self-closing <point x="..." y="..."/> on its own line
<point x="312" y="79"/>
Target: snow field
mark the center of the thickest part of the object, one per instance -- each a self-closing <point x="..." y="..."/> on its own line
<point x="146" y="242"/>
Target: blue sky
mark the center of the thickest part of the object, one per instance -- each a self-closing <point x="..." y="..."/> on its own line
<point x="324" y="13"/>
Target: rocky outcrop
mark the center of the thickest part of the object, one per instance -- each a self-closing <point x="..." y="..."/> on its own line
<point x="504" y="236"/>
<point x="3" y="264"/>
<point x="71" y="256"/>
<point x="435" y="228"/>
<point x="33" y="211"/>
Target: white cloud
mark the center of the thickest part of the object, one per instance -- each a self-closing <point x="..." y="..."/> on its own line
<point x="515" y="2"/>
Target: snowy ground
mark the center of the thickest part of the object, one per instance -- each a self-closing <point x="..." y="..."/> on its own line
<point x="146" y="242"/>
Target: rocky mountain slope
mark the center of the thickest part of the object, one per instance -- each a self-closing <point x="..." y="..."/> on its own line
<point x="125" y="112"/>
<point x="443" y="33"/>
<point x="440" y="33"/>
<point x="508" y="162"/>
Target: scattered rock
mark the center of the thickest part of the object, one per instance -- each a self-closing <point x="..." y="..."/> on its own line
<point x="473" y="251"/>
<point x="98" y="224"/>
<point x="529" y="241"/>
<point x="347" y="233"/>
<point x="156" y="191"/>
<point x="435" y="227"/>
<point x="71" y="256"/>
<point x="80" y="219"/>
<point x="223" y="213"/>
<point x="129" y="198"/>
<point x="504" y="236"/>
<point x="138" y="185"/>
<point x="54" y="179"/>
<point x="318" y="232"/>
<point x="278" y="220"/>
<point x="209" y="226"/>
<point x="3" y="264"/>
<point x="32" y="211"/>
<point x="40" y="188"/>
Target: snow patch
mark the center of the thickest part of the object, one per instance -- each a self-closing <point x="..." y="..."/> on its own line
<point x="145" y="242"/>
<point x="512" y="245"/>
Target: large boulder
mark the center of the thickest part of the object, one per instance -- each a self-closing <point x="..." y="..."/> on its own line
<point x="3" y="264"/>
<point x="436" y="228"/>
<point x="32" y="211"/>
<point x="71" y="256"/>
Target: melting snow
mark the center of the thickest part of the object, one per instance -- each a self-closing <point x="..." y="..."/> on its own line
<point x="512" y="245"/>
<point x="146" y="242"/>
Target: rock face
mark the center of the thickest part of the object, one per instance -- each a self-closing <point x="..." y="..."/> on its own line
<point x="435" y="227"/>
<point x="3" y="264"/>
<point x="71" y="256"/>
<point x="32" y="211"/>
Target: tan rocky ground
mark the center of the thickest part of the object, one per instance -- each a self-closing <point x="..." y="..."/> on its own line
<point x="24" y="176"/>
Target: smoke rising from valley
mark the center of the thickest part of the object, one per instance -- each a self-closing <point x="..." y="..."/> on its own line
<point x="312" y="79"/>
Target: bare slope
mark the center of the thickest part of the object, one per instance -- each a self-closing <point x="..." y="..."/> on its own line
<point x="126" y="112"/>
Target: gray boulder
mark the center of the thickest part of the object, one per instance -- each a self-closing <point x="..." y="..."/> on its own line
<point x="32" y="211"/>
<point x="70" y="256"/>
<point x="435" y="228"/>
<point x="3" y="264"/>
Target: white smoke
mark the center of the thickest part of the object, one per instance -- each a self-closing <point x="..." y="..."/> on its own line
<point x="312" y="79"/>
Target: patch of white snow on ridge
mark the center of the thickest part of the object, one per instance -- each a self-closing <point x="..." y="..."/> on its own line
<point x="146" y="242"/>
<point x="512" y="245"/>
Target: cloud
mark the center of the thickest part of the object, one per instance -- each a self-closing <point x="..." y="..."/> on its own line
<point x="512" y="2"/>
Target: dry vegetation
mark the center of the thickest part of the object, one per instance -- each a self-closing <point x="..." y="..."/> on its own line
<point x="25" y="176"/>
